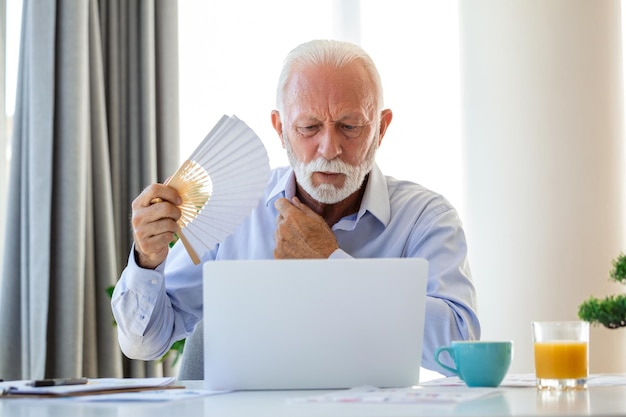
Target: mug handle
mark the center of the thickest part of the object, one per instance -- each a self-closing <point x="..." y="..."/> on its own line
<point x="451" y="352"/>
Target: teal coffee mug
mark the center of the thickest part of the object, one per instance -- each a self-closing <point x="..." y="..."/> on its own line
<point x="478" y="363"/>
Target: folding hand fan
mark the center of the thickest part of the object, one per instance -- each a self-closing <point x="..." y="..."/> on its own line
<point x="220" y="184"/>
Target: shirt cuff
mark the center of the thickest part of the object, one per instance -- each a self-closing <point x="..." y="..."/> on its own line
<point x="147" y="282"/>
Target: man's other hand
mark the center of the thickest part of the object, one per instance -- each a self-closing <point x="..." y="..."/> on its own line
<point x="301" y="233"/>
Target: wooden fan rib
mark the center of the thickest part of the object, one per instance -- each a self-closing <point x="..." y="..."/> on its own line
<point x="188" y="214"/>
<point x="196" y="175"/>
<point x="200" y="176"/>
<point x="194" y="204"/>
<point x="192" y="178"/>
<point x="199" y="187"/>
<point x="194" y="195"/>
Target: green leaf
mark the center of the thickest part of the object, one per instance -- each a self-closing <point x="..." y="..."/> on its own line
<point x="177" y="349"/>
<point x="610" y="312"/>
<point x="109" y="291"/>
<point x="618" y="273"/>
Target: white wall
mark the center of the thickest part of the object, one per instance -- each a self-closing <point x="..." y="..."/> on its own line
<point x="543" y="164"/>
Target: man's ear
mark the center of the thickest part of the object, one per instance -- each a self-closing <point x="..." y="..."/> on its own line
<point x="385" y="120"/>
<point x="278" y="125"/>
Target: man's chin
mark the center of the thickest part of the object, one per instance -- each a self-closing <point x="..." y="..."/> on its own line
<point x="328" y="179"/>
<point x="329" y="194"/>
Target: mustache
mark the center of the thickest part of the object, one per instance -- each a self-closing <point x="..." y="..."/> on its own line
<point x="334" y="166"/>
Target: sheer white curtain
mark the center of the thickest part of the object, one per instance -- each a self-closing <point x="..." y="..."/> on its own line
<point x="4" y="160"/>
<point x="10" y="23"/>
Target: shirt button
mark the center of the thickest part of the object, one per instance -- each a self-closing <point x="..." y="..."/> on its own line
<point x="154" y="282"/>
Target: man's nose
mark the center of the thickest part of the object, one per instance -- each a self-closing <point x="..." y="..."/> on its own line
<point x="329" y="145"/>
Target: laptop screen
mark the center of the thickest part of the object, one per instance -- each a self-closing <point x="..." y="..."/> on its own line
<point x="313" y="324"/>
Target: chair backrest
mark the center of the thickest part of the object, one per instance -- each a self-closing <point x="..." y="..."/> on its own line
<point x="192" y="362"/>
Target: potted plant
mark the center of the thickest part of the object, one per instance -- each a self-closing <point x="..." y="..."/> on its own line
<point x="610" y="311"/>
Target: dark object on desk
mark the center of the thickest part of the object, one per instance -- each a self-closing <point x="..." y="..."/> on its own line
<point x="58" y="381"/>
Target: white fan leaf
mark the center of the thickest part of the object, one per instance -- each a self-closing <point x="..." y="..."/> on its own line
<point x="220" y="184"/>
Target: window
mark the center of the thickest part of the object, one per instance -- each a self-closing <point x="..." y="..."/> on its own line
<point x="13" y="18"/>
<point x="231" y="53"/>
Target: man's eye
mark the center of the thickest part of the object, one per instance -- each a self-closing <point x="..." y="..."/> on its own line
<point x="351" y="130"/>
<point x="308" y="130"/>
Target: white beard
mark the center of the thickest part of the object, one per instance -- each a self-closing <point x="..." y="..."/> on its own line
<point x="329" y="193"/>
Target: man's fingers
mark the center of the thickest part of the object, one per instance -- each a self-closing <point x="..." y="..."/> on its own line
<point x="154" y="219"/>
<point x="157" y="193"/>
<point x="303" y="207"/>
<point x="153" y="213"/>
<point x="282" y="204"/>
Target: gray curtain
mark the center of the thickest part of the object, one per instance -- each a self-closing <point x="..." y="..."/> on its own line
<point x="3" y="122"/>
<point x="96" y="121"/>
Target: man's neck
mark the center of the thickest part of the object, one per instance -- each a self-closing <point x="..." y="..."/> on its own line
<point x="332" y="213"/>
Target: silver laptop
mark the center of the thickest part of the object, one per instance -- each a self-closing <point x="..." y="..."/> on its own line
<point x="313" y="324"/>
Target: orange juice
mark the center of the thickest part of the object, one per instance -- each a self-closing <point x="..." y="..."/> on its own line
<point x="561" y="360"/>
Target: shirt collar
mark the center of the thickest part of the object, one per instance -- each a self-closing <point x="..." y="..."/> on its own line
<point x="375" y="198"/>
<point x="285" y="186"/>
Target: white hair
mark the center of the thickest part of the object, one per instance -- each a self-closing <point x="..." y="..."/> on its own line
<point x="327" y="52"/>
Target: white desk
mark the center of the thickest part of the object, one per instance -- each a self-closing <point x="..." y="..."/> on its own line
<point x="512" y="402"/>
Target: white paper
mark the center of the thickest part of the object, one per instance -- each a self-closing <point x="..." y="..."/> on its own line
<point x="443" y="390"/>
<point x="96" y="384"/>
<point x="149" y="396"/>
<point x="410" y="395"/>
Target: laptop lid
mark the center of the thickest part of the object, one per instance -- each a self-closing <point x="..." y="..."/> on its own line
<point x="313" y="324"/>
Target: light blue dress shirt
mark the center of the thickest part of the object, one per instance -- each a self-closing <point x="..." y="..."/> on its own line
<point x="154" y="308"/>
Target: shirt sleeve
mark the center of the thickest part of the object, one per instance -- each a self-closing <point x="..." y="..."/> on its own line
<point x="148" y="320"/>
<point x="451" y="298"/>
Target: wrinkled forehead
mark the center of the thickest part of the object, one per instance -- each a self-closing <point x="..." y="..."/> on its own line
<point x="327" y="85"/>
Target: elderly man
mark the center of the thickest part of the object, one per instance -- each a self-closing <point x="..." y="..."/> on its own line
<point x="332" y="202"/>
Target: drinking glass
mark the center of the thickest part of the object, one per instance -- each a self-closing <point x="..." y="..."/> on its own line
<point x="561" y="354"/>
